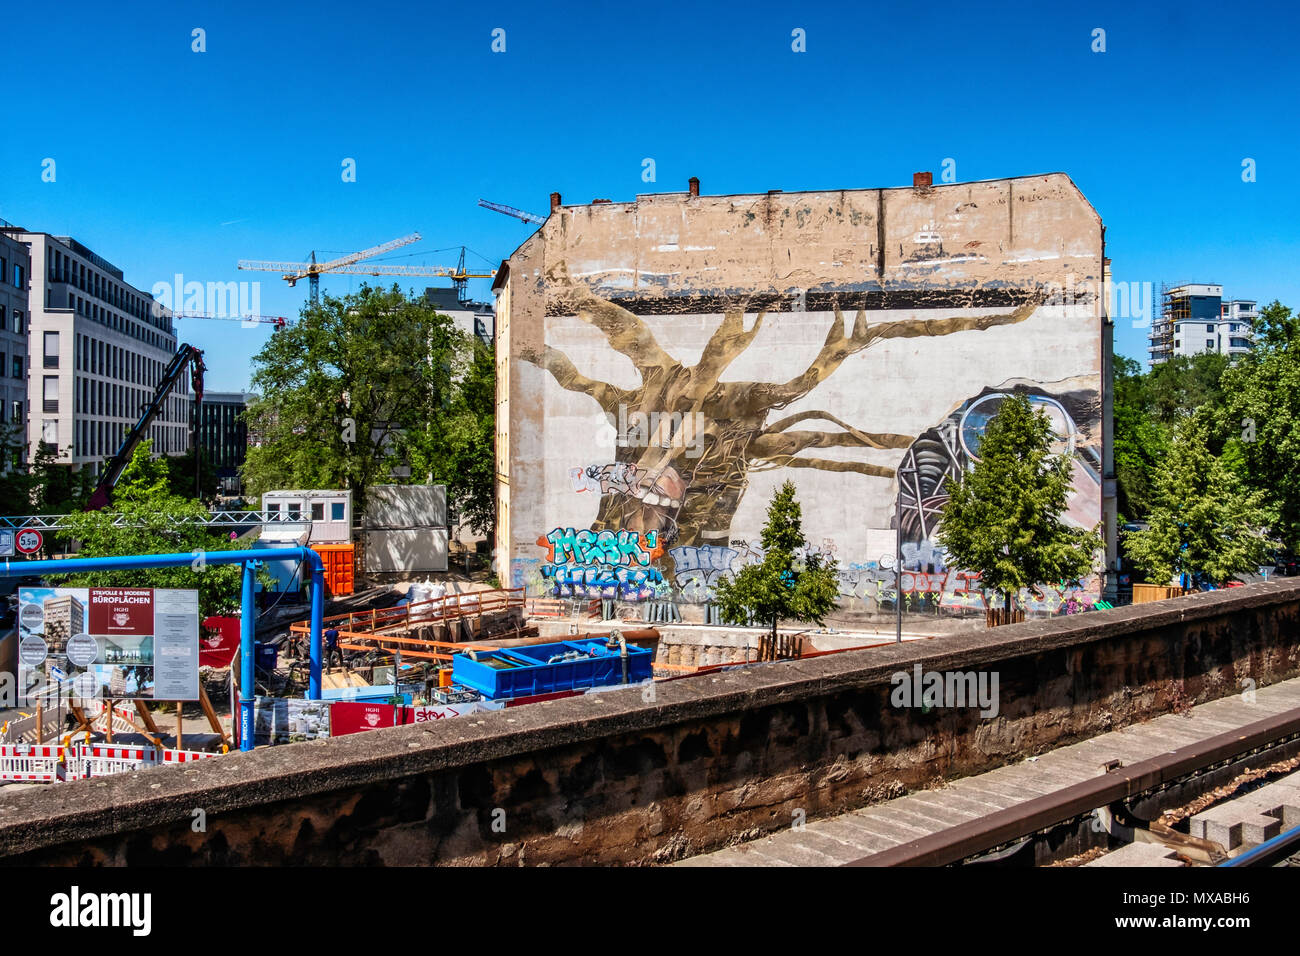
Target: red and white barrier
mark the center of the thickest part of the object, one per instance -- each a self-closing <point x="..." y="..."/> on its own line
<point x="31" y="763"/>
<point x="102" y="760"/>
<point x="28" y="763"/>
<point x="185" y="756"/>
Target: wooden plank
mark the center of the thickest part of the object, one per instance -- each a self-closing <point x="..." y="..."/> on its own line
<point x="146" y="718"/>
<point x="213" y="721"/>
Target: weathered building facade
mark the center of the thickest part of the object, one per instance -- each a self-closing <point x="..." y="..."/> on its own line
<point x="664" y="364"/>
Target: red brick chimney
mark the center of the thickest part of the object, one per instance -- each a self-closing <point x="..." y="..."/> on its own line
<point x="694" y="184"/>
<point x="920" y="180"/>
<point x="555" y="201"/>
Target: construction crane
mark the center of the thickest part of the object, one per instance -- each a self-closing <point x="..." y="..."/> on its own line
<point x="279" y="321"/>
<point x="460" y="277"/>
<point x="186" y="355"/>
<point x="512" y="211"/>
<point x="291" y="272"/>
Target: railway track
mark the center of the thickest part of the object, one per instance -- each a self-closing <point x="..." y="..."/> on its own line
<point x="1106" y="799"/>
<point x="1160" y="793"/>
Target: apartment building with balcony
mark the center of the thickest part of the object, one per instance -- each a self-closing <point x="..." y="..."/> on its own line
<point x="15" y="278"/>
<point x="1195" y="319"/>
<point x="99" y="349"/>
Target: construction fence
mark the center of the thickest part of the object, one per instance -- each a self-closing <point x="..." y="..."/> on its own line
<point x="53" y="763"/>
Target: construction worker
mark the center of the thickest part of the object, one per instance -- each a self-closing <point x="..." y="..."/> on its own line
<point x="332" y="647"/>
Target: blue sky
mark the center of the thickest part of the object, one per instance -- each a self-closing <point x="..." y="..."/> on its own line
<point x="173" y="161"/>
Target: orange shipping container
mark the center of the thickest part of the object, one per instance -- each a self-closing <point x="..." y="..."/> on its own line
<point x="338" y="560"/>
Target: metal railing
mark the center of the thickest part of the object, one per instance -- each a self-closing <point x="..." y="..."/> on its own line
<point x="213" y="519"/>
<point x="387" y="629"/>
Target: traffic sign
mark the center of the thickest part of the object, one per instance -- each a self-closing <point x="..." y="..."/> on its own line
<point x="29" y="541"/>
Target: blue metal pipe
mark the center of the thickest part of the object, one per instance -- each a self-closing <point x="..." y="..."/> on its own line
<point x="317" y="615"/>
<point x="12" y="569"/>
<point x="247" y="631"/>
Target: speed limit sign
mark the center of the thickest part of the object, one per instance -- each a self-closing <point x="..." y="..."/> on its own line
<point x="28" y="541"/>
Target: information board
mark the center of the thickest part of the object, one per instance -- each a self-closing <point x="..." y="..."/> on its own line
<point x="119" y="643"/>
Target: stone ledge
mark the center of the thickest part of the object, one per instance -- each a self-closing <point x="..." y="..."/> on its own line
<point x="92" y="809"/>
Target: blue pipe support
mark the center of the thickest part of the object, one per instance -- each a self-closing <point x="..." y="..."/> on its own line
<point x="249" y="559"/>
<point x="247" y="631"/>
<point x="317" y="615"/>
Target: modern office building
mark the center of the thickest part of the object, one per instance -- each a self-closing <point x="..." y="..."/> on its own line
<point x="1195" y="319"/>
<point x="15" y="278"/>
<point x="223" y="436"/>
<point x="64" y="617"/>
<point x="472" y="318"/>
<point x="101" y="347"/>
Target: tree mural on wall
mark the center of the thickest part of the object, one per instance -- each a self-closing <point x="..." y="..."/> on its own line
<point x="687" y="490"/>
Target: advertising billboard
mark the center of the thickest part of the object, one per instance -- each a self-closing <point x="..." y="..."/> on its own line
<point x="118" y="643"/>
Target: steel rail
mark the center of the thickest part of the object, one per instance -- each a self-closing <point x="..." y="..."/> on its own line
<point x="1270" y="852"/>
<point x="957" y="843"/>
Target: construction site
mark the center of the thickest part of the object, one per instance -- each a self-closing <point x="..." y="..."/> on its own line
<point x="642" y="429"/>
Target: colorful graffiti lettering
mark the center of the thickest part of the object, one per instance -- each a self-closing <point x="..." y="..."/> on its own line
<point x="628" y="584"/>
<point x="606" y="564"/>
<point x="565" y="545"/>
<point x="698" y="569"/>
<point x="918" y="555"/>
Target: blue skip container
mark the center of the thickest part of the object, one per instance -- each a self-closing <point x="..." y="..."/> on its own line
<point x="546" y="668"/>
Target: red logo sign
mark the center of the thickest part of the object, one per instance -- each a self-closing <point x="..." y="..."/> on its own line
<point x="219" y="641"/>
<point x="28" y="541"/>
<point x="348" y="717"/>
<point x="121" y="611"/>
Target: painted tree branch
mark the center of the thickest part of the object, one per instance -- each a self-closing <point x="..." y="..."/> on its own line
<point x="624" y="330"/>
<point x="867" y="439"/>
<point x="839" y="346"/>
<point x="791" y="443"/>
<point x="568" y="377"/>
<point x="726" y="343"/>
<point x="823" y="464"/>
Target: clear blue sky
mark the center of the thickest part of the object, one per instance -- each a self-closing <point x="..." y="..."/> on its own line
<point x="174" y="161"/>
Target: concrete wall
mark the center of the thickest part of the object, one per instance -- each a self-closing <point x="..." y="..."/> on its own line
<point x="621" y="777"/>
<point x="677" y="358"/>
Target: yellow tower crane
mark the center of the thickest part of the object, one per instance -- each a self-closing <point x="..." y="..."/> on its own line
<point x="291" y="272"/>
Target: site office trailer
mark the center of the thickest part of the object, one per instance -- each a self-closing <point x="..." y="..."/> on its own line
<point x="328" y="512"/>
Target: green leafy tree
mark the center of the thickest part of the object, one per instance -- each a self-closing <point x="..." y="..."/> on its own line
<point x="1184" y="384"/>
<point x="791" y="583"/>
<point x="1003" y="518"/>
<point x="143" y="519"/>
<point x="180" y="476"/>
<point x="1141" y="441"/>
<point x="458" y="448"/>
<point x="1261" y="416"/>
<point x="1203" y="522"/>
<point x="341" y="390"/>
<point x="55" y="487"/>
<point x="15" y="479"/>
